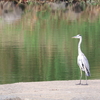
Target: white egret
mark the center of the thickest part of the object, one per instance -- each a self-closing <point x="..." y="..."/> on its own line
<point x="82" y="60"/>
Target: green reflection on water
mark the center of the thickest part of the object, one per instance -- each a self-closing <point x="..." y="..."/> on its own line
<point x="45" y="51"/>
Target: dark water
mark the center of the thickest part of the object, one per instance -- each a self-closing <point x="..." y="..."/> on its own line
<point x="43" y="50"/>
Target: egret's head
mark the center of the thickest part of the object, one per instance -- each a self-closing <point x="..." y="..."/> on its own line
<point x="77" y="36"/>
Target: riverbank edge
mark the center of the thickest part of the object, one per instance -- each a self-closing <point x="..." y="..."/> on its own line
<point x="51" y="90"/>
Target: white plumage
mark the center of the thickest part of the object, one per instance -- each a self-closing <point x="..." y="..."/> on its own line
<point x="82" y="60"/>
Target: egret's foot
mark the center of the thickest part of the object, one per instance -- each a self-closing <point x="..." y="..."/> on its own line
<point x="84" y="84"/>
<point x="79" y="84"/>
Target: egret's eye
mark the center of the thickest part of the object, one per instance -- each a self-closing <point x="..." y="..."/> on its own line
<point x="79" y="35"/>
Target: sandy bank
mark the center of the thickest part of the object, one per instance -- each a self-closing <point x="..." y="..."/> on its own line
<point x="52" y="90"/>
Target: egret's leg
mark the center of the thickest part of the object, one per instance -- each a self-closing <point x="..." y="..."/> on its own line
<point x="80" y="77"/>
<point x="86" y="79"/>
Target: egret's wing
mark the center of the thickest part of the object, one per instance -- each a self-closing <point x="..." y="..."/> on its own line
<point x="83" y="64"/>
<point x="85" y="61"/>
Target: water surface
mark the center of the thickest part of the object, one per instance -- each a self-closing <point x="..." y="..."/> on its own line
<point x="40" y="48"/>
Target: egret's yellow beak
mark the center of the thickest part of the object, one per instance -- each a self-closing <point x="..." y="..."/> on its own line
<point x="74" y="37"/>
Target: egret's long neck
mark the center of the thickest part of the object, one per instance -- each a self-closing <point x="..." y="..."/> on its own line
<point x="79" y="46"/>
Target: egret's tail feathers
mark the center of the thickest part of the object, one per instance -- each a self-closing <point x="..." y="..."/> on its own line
<point x="87" y="72"/>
